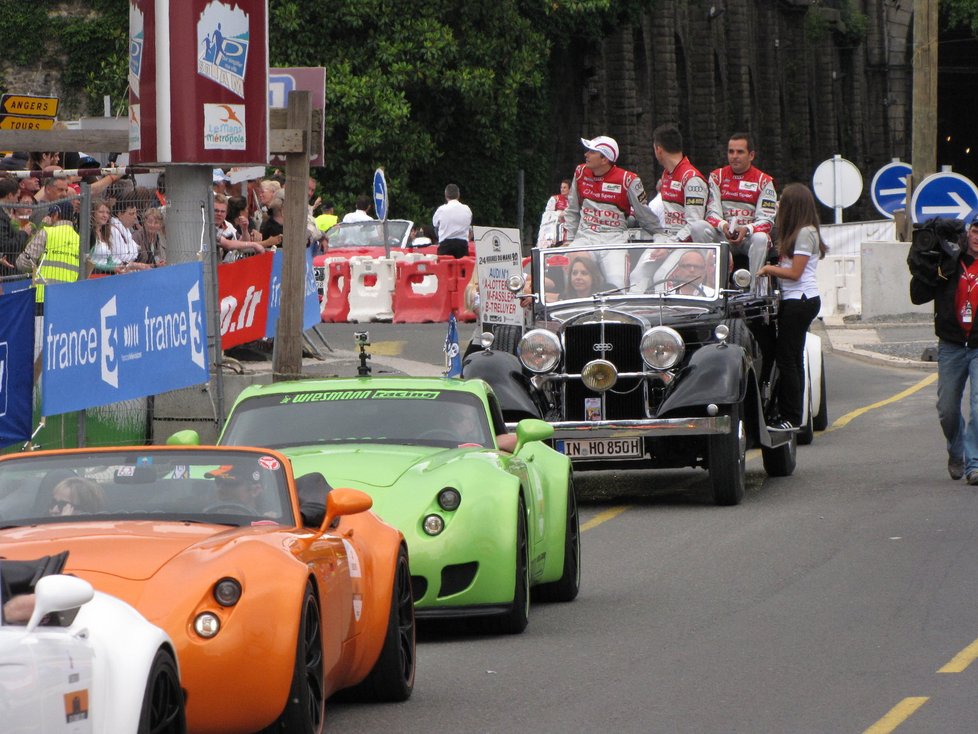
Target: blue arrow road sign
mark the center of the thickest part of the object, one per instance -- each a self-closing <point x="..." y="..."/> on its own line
<point x="889" y="188"/>
<point x="947" y="195"/>
<point x="380" y="194"/>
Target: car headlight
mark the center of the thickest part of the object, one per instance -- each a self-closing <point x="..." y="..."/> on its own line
<point x="539" y="350"/>
<point x="207" y="625"/>
<point x="227" y="592"/>
<point x="433" y="524"/>
<point x="599" y="375"/>
<point x="449" y="499"/>
<point x="662" y="348"/>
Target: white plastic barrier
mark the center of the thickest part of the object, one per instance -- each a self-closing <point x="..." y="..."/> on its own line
<point x="371" y="302"/>
<point x="839" y="284"/>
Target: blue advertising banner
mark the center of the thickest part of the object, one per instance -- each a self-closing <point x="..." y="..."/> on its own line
<point x="311" y="314"/>
<point x="16" y="366"/>
<point x="122" y="337"/>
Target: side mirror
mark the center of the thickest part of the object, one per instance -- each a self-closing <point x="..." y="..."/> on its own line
<point x="344" y="501"/>
<point x="532" y="429"/>
<point x="188" y="437"/>
<point x="58" y="594"/>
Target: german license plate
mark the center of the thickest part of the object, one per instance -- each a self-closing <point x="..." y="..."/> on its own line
<point x="602" y="448"/>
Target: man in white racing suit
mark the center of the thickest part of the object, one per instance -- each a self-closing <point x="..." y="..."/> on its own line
<point x="601" y="198"/>
<point x="741" y="205"/>
<point x="682" y="186"/>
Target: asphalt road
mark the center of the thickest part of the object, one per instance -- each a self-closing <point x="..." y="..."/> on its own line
<point x="827" y="602"/>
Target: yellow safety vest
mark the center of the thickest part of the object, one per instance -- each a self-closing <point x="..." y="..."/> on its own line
<point x="61" y="258"/>
<point x="326" y="221"/>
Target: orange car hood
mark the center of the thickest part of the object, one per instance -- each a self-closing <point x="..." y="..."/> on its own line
<point x="129" y="550"/>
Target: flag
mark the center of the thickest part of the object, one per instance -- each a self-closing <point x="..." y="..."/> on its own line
<point x="453" y="357"/>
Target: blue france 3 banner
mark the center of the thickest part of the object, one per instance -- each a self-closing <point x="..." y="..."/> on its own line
<point x="16" y="366"/>
<point x="123" y="337"/>
<point x="310" y="301"/>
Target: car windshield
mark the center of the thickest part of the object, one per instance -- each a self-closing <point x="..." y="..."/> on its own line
<point x="222" y="487"/>
<point x="441" y="418"/>
<point x="368" y="234"/>
<point x="675" y="270"/>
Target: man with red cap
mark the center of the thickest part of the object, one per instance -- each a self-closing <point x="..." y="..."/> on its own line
<point x="602" y="197"/>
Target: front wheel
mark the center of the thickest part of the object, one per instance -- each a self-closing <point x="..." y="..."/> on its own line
<point x="305" y="708"/>
<point x="727" y="460"/>
<point x="163" y="705"/>
<point x="515" y="620"/>
<point x="567" y="586"/>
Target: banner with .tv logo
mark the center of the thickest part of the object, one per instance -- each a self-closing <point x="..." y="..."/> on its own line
<point x="123" y="337"/>
<point x="16" y="366"/>
<point x="243" y="288"/>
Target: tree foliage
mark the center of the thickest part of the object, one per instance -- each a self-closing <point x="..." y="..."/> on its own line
<point x="962" y="13"/>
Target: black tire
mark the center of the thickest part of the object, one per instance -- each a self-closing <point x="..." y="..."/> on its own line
<point x="392" y="677"/>
<point x="163" y="709"/>
<point x="507" y="337"/>
<point x="821" y="421"/>
<point x="305" y="709"/>
<point x="515" y="620"/>
<point x="806" y="434"/>
<point x="728" y="461"/>
<point x="567" y="586"/>
<point x="780" y="461"/>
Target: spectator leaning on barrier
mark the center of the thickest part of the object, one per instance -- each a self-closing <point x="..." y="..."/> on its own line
<point x="151" y="238"/>
<point x="230" y="247"/>
<point x="125" y="250"/>
<point x="52" y="191"/>
<point x="53" y="253"/>
<point x="453" y="221"/>
<point x="13" y="238"/>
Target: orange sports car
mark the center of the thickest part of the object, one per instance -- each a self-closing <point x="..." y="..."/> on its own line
<point x="277" y="591"/>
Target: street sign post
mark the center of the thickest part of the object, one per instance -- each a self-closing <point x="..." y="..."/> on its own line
<point x="838" y="184"/>
<point x="380" y="204"/>
<point x="889" y="188"/>
<point x="946" y="194"/>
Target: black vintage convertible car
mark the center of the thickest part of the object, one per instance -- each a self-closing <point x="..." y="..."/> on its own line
<point x="645" y="356"/>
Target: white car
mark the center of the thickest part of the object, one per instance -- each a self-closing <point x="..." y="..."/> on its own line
<point x="95" y="666"/>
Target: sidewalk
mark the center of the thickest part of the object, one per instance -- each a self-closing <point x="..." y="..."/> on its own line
<point x="899" y="341"/>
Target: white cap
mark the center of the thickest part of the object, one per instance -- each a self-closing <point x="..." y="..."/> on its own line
<point x="604" y="145"/>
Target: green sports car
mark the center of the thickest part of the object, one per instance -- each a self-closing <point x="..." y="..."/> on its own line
<point x="484" y="524"/>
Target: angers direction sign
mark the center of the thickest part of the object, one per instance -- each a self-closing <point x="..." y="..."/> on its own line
<point x="26" y="104"/>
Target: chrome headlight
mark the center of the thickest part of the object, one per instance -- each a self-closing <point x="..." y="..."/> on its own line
<point x="433" y="525"/>
<point x="539" y="350"/>
<point x="599" y="375"/>
<point x="207" y="625"/>
<point x="662" y="348"/>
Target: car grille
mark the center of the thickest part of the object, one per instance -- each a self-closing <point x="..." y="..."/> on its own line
<point x="620" y="345"/>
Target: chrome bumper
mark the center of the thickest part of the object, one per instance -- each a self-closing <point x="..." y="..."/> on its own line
<point x="630" y="428"/>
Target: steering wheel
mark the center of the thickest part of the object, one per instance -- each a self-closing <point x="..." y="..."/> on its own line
<point x="438" y="434"/>
<point x="236" y="508"/>
<point x="670" y="291"/>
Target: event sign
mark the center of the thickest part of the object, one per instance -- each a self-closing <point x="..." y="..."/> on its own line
<point x="243" y="288"/>
<point x="123" y="337"/>
<point x="310" y="301"/>
<point x="498" y="256"/>
<point x="198" y="81"/>
<point x="16" y="366"/>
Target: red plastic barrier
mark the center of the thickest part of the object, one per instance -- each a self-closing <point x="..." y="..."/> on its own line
<point x="337" y="301"/>
<point x="412" y="307"/>
<point x="464" y="272"/>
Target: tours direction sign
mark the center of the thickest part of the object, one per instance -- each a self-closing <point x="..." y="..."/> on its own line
<point x="889" y="188"/>
<point x="946" y="195"/>
<point x="29" y="105"/>
<point x="16" y="122"/>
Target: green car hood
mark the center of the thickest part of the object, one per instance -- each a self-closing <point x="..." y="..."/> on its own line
<point x="376" y="465"/>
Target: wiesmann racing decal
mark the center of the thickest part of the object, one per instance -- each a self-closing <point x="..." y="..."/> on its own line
<point x="316" y="397"/>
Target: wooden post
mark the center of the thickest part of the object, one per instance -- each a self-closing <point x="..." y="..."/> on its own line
<point x="924" y="131"/>
<point x="287" y="352"/>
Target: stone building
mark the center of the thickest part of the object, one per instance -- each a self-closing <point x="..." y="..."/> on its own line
<point x="806" y="79"/>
